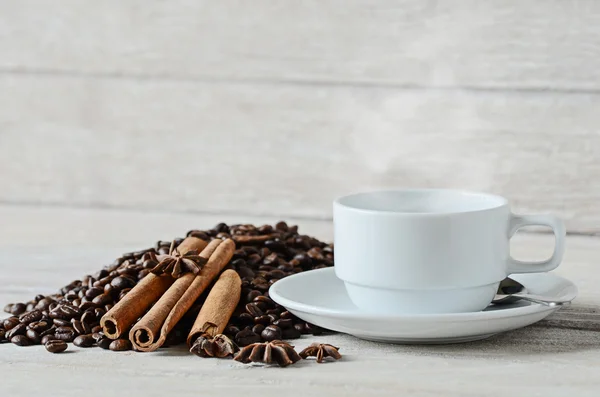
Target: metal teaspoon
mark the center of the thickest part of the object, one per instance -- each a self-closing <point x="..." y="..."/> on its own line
<point x="511" y="291"/>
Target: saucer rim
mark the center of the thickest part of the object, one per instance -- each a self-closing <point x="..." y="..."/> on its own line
<point x="358" y="315"/>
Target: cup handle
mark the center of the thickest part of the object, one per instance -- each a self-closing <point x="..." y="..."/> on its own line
<point x="558" y="228"/>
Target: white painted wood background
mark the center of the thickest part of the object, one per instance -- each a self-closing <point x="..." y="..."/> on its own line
<point x="273" y="108"/>
<point x="127" y="121"/>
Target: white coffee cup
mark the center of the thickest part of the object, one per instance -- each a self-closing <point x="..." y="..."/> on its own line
<point x="430" y="250"/>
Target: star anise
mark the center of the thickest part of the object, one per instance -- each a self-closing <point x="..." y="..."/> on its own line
<point x="176" y="263"/>
<point x="321" y="351"/>
<point x="275" y="352"/>
<point x="218" y="346"/>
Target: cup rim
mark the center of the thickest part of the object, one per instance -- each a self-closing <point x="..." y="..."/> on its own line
<point x="499" y="201"/>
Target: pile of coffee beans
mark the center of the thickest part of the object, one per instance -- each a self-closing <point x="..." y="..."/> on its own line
<point x="73" y="314"/>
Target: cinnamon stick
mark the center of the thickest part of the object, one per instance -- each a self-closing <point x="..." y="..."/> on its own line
<point x="151" y="331"/>
<point x="216" y="311"/>
<point x="118" y="319"/>
<point x="243" y="239"/>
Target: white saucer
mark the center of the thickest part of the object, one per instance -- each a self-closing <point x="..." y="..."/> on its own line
<point x="320" y="298"/>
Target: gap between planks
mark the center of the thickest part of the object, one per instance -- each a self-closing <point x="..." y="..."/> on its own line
<point x="215" y="79"/>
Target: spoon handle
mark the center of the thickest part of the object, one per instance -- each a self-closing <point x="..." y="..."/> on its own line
<point x="542" y="300"/>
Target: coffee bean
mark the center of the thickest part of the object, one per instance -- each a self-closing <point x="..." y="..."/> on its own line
<point x="276" y="246"/>
<point x="39" y="326"/>
<point x="284" y="323"/>
<point x="8" y="308"/>
<point x="270" y="259"/>
<point x="65" y="333"/>
<point x="84" y="341"/>
<point x="268" y="302"/>
<point x="101" y="274"/>
<point x="93" y="292"/>
<point x="18" y="308"/>
<point x="10" y="323"/>
<point x="56" y="346"/>
<point x="104" y="343"/>
<point x="119" y="345"/>
<point x="47" y="338"/>
<point x="286" y="267"/>
<point x="254" y="310"/>
<point x="221" y="228"/>
<point x="300" y="327"/>
<point x="122" y="283"/>
<point x="56" y="313"/>
<point x="246" y="319"/>
<point x="20" y="340"/>
<point x="102" y="282"/>
<point x="149" y="264"/>
<point x="109" y="290"/>
<point x="99" y="312"/>
<point x="303" y="260"/>
<point x="59" y="322"/>
<point x="102" y="300"/>
<point x="34" y="315"/>
<point x="97" y="328"/>
<point x="199" y="234"/>
<point x="265" y="229"/>
<point x="252" y="295"/>
<point x="313" y="329"/>
<point x="271" y="332"/>
<point x="123" y="293"/>
<point x="89" y="317"/>
<point x="231" y="330"/>
<point x="85" y="306"/>
<point x="258" y="329"/>
<point x="253" y="260"/>
<point x="264" y="320"/>
<point x="43" y="304"/>
<point x="246" y="273"/>
<point x="18" y="329"/>
<point x="33" y="336"/>
<point x="275" y="311"/>
<point x="69" y="310"/>
<point x="3" y="336"/>
<point x="246" y="337"/>
<point x="291" y="333"/>
<point x="78" y="327"/>
<point x="276" y="274"/>
<point x="49" y="331"/>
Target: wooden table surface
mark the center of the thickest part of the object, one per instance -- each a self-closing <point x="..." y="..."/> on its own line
<point x="42" y="249"/>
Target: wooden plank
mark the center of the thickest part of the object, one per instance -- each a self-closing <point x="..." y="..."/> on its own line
<point x="48" y="238"/>
<point x="574" y="317"/>
<point x="62" y="244"/>
<point x="508" y="43"/>
<point x="288" y="149"/>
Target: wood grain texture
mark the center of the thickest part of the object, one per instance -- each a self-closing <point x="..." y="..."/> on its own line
<point x="79" y="241"/>
<point x="273" y="149"/>
<point x="67" y="243"/>
<point x="508" y="43"/>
